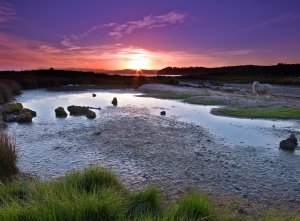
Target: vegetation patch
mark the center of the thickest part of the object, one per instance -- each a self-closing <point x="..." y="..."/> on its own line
<point x="8" y="157"/>
<point x="168" y="95"/>
<point x="280" y="113"/>
<point x="204" y="102"/>
<point x="96" y="194"/>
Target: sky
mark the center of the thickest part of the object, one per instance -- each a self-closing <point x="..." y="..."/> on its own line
<point x="140" y="34"/>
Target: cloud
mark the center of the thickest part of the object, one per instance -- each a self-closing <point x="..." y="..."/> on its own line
<point x="7" y="13"/>
<point x="148" y="22"/>
<point x="18" y="53"/>
<point x="275" y="20"/>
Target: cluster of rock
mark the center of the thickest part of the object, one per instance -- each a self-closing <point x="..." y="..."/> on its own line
<point x="75" y="111"/>
<point x="289" y="144"/>
<point x="14" y="112"/>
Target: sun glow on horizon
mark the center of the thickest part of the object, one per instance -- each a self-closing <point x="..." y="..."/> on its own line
<point x="139" y="61"/>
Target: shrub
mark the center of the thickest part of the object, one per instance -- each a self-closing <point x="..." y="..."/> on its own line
<point x="8" y="157"/>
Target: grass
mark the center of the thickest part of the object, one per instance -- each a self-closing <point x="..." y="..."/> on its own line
<point x="8" y="89"/>
<point x="96" y="194"/>
<point x="168" y="95"/>
<point x="280" y="113"/>
<point x="8" y="157"/>
<point x="204" y="102"/>
<point x="185" y="97"/>
<point x="92" y="194"/>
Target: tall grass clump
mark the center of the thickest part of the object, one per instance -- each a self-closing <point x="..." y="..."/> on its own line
<point x="147" y="203"/>
<point x="194" y="206"/>
<point x="8" y="157"/>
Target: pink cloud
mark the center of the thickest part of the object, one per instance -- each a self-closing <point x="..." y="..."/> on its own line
<point x="147" y="22"/>
<point x="18" y="53"/>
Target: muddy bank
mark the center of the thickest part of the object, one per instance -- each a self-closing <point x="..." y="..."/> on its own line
<point x="233" y="95"/>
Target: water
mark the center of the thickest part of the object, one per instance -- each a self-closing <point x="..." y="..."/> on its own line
<point x="239" y="156"/>
<point x="251" y="132"/>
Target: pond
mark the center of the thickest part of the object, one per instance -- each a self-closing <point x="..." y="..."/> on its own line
<point x="243" y="154"/>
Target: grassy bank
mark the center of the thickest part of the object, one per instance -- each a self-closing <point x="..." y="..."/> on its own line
<point x="8" y="158"/>
<point x="280" y="113"/>
<point x="8" y="88"/>
<point x="96" y="194"/>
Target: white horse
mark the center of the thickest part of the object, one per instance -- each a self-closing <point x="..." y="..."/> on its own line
<point x="261" y="88"/>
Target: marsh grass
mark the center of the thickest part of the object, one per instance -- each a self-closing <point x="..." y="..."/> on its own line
<point x="8" y="157"/>
<point x="96" y="194"/>
<point x="280" y="113"/>
<point x="204" y="102"/>
<point x="8" y="89"/>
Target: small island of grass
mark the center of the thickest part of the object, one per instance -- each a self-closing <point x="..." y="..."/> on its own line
<point x="279" y="113"/>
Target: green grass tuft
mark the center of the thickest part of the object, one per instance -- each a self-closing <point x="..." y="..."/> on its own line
<point x="194" y="206"/>
<point x="145" y="203"/>
<point x="280" y="113"/>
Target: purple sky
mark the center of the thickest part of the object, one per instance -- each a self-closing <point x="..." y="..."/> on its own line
<point x="117" y="34"/>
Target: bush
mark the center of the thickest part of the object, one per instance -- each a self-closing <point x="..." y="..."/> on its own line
<point x="8" y="157"/>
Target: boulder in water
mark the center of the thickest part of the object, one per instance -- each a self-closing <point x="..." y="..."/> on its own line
<point x="289" y="144"/>
<point x="24" y="118"/>
<point x="9" y="118"/>
<point x="12" y="108"/>
<point x="25" y="110"/>
<point x="163" y="113"/>
<point x="60" y="112"/>
<point x="78" y="110"/>
<point x="114" y="101"/>
<point x="91" y="114"/>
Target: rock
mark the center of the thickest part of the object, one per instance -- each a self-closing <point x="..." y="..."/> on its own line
<point x="293" y="139"/>
<point x="114" y="101"/>
<point x="12" y="108"/>
<point x="94" y="95"/>
<point x="91" y="114"/>
<point x="24" y="118"/>
<point x="78" y="110"/>
<point x="60" y="112"/>
<point x="289" y="144"/>
<point x="9" y="118"/>
<point x="25" y="110"/>
<point x="163" y="113"/>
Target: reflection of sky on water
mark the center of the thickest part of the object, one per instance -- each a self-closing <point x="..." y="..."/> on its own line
<point x="254" y="132"/>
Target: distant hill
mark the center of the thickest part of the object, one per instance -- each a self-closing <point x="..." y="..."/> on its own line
<point x="278" y="74"/>
<point x="279" y="69"/>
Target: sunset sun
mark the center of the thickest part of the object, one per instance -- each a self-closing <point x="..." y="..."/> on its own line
<point x="138" y="62"/>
